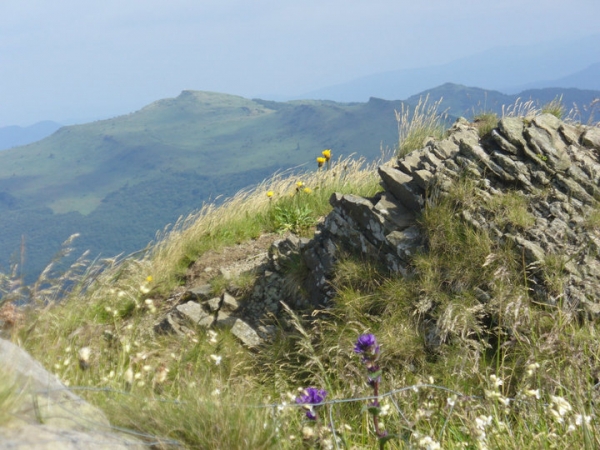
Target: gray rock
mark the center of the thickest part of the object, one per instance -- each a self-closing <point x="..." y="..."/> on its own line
<point x="229" y="303"/>
<point x="225" y="319"/>
<point x="591" y="138"/>
<point x="214" y="304"/>
<point x="203" y="292"/>
<point x="245" y="333"/>
<point x="195" y="313"/>
<point x="398" y="184"/>
<point x="48" y="415"/>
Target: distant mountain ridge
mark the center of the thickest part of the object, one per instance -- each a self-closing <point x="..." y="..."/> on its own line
<point x="465" y="101"/>
<point x="586" y="79"/>
<point x="13" y="136"/>
<point x="505" y="69"/>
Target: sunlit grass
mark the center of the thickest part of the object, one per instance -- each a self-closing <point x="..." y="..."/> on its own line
<point x="423" y="122"/>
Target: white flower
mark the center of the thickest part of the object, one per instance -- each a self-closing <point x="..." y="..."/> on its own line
<point x="482" y="422"/>
<point x="129" y="375"/>
<point x="385" y="409"/>
<point x="581" y="419"/>
<point x="562" y="406"/>
<point x="497" y="382"/>
<point x="216" y="359"/>
<point x="531" y="368"/>
<point x="212" y="336"/>
<point x="451" y="400"/>
<point x="308" y="432"/>
<point x="429" y="444"/>
<point x="216" y="392"/>
<point x="532" y="393"/>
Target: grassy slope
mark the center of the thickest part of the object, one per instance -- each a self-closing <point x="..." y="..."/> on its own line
<point x="508" y="373"/>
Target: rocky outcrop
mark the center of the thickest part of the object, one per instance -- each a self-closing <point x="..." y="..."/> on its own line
<point x="554" y="165"/>
<point x="41" y="413"/>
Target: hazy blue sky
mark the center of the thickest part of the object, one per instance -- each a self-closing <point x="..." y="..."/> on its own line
<point x="83" y="59"/>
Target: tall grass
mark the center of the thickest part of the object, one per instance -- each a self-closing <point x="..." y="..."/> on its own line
<point x="251" y="213"/>
<point x="425" y="121"/>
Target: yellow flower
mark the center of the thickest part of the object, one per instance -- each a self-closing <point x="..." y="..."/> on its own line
<point x="307" y="190"/>
<point x="149" y="278"/>
<point x="321" y="160"/>
<point x="270" y="194"/>
<point x="327" y="154"/>
<point x="299" y="184"/>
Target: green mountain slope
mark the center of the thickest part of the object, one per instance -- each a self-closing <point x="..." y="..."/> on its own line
<point x="117" y="181"/>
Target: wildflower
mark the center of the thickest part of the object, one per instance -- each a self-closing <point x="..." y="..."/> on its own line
<point x="561" y="405"/>
<point x="216" y="359"/>
<point x="451" y="400"/>
<point x="366" y="345"/>
<point x="129" y="376"/>
<point x="327" y="154"/>
<point x="531" y="368"/>
<point x="307" y="190"/>
<point x="308" y="432"/>
<point x="384" y="411"/>
<point x="144" y="289"/>
<point x="212" y="336"/>
<point x="161" y="374"/>
<point x="216" y="392"/>
<point x="429" y="444"/>
<point x="532" y="393"/>
<point x="321" y="160"/>
<point x="482" y="422"/>
<point x="270" y="194"/>
<point x="84" y="357"/>
<point x="312" y="397"/>
<point x="299" y="184"/>
<point x="149" y="279"/>
<point x="580" y="419"/>
<point x="497" y="382"/>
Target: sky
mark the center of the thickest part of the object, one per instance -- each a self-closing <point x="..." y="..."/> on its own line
<point x="79" y="60"/>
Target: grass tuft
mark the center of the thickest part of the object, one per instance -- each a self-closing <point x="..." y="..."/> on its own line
<point x="424" y="123"/>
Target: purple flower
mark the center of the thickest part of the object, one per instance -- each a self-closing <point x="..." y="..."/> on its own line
<point x="366" y="345"/>
<point x="312" y="396"/>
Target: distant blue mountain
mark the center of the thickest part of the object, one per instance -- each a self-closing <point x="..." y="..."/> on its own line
<point x="14" y="136"/>
<point x="505" y="69"/>
<point x="588" y="78"/>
